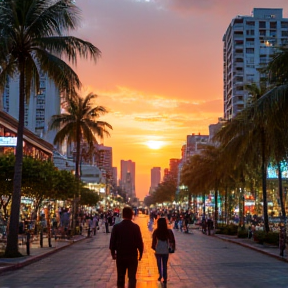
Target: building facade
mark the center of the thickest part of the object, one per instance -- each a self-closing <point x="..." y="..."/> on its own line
<point x="155" y="178"/>
<point x="38" y="111"/>
<point x="32" y="145"/>
<point x="127" y="178"/>
<point x="248" y="44"/>
<point x="114" y="177"/>
<point x="104" y="162"/>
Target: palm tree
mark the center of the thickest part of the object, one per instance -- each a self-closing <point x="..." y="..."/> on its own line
<point x="203" y="173"/>
<point x="277" y="67"/>
<point x="247" y="135"/>
<point x="80" y="123"/>
<point x="33" y="39"/>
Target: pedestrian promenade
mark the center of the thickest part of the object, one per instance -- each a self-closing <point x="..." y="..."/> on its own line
<point x="199" y="261"/>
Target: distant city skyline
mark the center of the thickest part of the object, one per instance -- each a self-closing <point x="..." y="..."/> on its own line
<point x="156" y="91"/>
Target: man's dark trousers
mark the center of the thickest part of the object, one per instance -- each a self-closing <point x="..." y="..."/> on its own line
<point x="124" y="263"/>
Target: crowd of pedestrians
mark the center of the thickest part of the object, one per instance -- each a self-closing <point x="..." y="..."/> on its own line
<point x="179" y="219"/>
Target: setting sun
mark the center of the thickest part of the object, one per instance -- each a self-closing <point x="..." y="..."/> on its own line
<point x="153" y="144"/>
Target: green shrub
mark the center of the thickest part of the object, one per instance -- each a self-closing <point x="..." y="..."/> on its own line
<point x="242" y="232"/>
<point x="272" y="238"/>
<point x="262" y="237"/>
<point x="259" y="236"/>
<point x="229" y="229"/>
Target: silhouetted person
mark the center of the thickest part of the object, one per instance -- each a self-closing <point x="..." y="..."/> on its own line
<point x="162" y="239"/>
<point x="125" y="242"/>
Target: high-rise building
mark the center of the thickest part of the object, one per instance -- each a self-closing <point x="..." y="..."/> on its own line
<point x="249" y="43"/>
<point x="127" y="179"/>
<point x="172" y="172"/>
<point x="194" y="144"/>
<point x="104" y="162"/>
<point x="38" y="111"/>
<point x="114" y="177"/>
<point x="155" y="178"/>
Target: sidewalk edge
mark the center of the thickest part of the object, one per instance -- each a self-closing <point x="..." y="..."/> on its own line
<point x="37" y="258"/>
<point x="253" y="248"/>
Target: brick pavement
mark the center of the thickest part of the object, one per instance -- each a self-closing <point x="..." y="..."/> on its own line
<point x="199" y="261"/>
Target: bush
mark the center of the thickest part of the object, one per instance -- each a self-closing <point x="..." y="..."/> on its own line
<point x="242" y="232"/>
<point x="230" y="229"/>
<point x="272" y="238"/>
<point x="259" y="236"/>
<point x="262" y="237"/>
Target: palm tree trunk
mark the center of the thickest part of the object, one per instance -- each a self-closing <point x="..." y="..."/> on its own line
<point x="216" y="206"/>
<point x="189" y="199"/>
<point x="264" y="182"/>
<point x="12" y="239"/>
<point x="280" y="187"/>
<point x="226" y="205"/>
<point x="77" y="175"/>
<point x="203" y="199"/>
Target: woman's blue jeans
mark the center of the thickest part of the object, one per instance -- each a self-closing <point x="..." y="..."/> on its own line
<point x="162" y="260"/>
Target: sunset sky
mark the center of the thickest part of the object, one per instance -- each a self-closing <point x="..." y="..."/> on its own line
<point x="160" y="73"/>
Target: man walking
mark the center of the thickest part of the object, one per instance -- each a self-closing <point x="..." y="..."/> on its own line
<point x="125" y="242"/>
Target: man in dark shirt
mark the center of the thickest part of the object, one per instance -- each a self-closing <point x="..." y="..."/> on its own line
<point x="125" y="242"/>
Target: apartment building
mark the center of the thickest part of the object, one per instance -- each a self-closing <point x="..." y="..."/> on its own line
<point x="248" y="44"/>
<point x="38" y="111"/>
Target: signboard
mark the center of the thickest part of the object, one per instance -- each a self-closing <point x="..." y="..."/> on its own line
<point x="8" y="141"/>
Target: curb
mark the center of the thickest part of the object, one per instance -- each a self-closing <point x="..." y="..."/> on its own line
<point x="33" y="259"/>
<point x="254" y="248"/>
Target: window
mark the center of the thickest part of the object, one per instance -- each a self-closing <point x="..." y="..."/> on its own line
<point x="272" y="33"/>
<point x="262" y="32"/>
<point x="250" y="32"/>
<point x="273" y="25"/>
<point x="284" y="24"/>
<point x="250" y="50"/>
<point x="262" y="24"/>
<point x="284" y="33"/>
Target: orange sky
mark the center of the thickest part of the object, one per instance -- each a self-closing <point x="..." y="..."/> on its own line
<point x="160" y="74"/>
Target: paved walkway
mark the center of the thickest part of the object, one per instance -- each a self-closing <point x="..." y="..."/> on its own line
<point x="199" y="261"/>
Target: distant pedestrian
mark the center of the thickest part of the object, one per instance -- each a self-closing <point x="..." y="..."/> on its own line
<point x="162" y="238"/>
<point x="106" y="223"/>
<point x="125" y="243"/>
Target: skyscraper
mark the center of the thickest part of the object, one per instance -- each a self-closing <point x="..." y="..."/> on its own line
<point x="104" y="161"/>
<point x="38" y="111"/>
<point x="114" y="177"/>
<point x="127" y="179"/>
<point x="249" y="43"/>
<point x="155" y="178"/>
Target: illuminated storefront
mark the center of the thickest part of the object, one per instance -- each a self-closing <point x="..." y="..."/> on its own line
<point x="32" y="145"/>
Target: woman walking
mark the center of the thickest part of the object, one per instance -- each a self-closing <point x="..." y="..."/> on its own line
<point x="162" y="240"/>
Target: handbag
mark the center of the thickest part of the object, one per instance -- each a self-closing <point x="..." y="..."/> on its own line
<point x="170" y="248"/>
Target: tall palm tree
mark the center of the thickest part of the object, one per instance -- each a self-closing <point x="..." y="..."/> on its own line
<point x="33" y="38"/>
<point x="80" y="123"/>
<point x="247" y="132"/>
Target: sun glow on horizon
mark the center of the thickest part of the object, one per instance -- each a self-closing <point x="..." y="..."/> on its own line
<point x="154" y="144"/>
